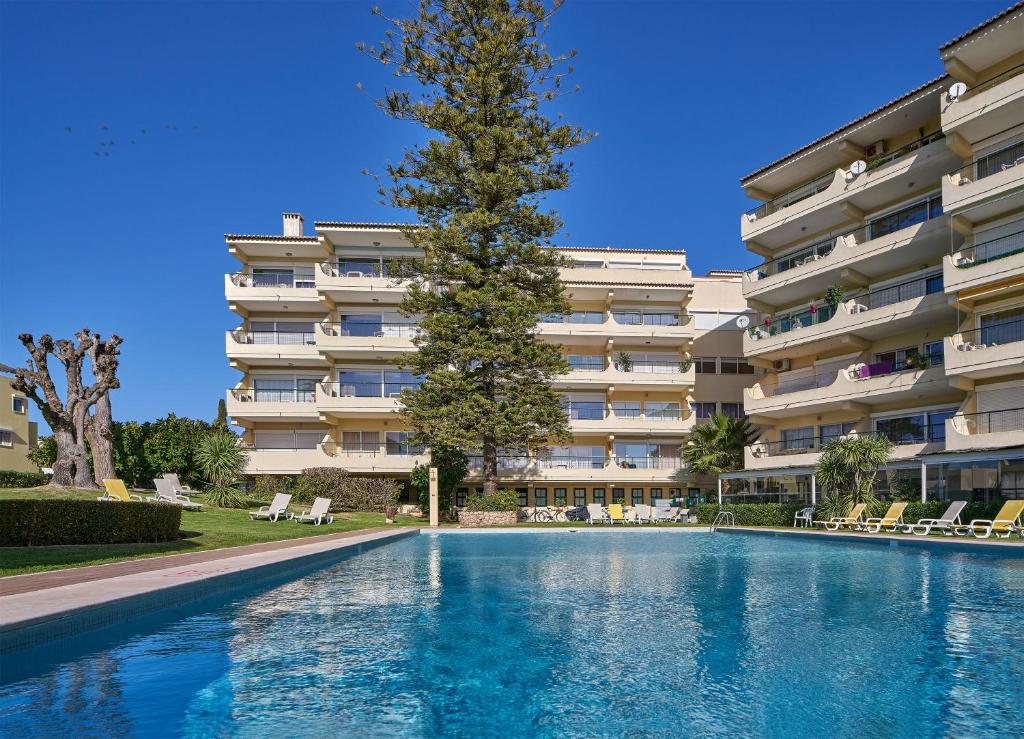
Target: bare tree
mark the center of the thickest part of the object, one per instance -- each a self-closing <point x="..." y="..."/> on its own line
<point x="67" y="418"/>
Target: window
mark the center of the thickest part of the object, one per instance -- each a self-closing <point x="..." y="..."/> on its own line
<point x="1004" y="327"/>
<point x="904" y="429"/>
<point x="586" y="316"/>
<point x="284" y="389"/>
<point x="362" y="267"/>
<point x="933" y="284"/>
<point x="618" y="495"/>
<point x="287" y="440"/>
<point x="559" y="496"/>
<point x="655" y="495"/>
<point x="831" y="431"/>
<point x="933" y="353"/>
<point x="895" y="361"/>
<point x="540" y="496"/>
<point x="19" y="404"/>
<point x="522" y="497"/>
<point x="361" y="325"/>
<point x="6" y="438"/>
<point x="397" y="444"/>
<point x="590" y="362"/>
<point x="626" y="408"/>
<point x="281" y="332"/>
<point x="735" y="366"/>
<point x="359" y="384"/>
<point x="795" y="439"/>
<point x="937" y="424"/>
<point x="703" y="409"/>
<point x="732" y="410"/>
<point x="662" y="410"/>
<point x="628" y="317"/>
<point x="579" y="496"/>
<point x="599" y="496"/>
<point x="637" y="494"/>
<point x="584" y="407"/>
<point x="706" y="365"/>
<point x="460" y="496"/>
<point x="360" y="442"/>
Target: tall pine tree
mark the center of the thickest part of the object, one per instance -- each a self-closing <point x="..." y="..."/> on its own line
<point x="481" y="74"/>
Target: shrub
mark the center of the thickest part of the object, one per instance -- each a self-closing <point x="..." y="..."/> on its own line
<point x="15" y="479"/>
<point x="265" y="487"/>
<point x="503" y="500"/>
<point x="67" y="521"/>
<point x="226" y="496"/>
<point x="374" y="493"/>
<point x="323" y="482"/>
<point x="781" y="514"/>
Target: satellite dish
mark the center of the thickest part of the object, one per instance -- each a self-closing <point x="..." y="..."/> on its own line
<point x="743" y="321"/>
<point x="956" y="90"/>
<point x="858" y="167"/>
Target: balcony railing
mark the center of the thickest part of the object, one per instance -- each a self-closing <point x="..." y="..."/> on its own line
<point x="802" y="445"/>
<point x="585" y="410"/>
<point x="799" y="384"/>
<point x="243" y="336"/>
<point x="1008" y="332"/>
<point x="273" y="395"/>
<point x="667" y="414"/>
<point x="375" y="329"/>
<point x="648" y="463"/>
<point x="358" y="270"/>
<point x="366" y="389"/>
<point x="656" y="367"/>
<point x="587" y="364"/>
<point x="902" y="151"/>
<point x="880" y="369"/>
<point x="998" y="161"/>
<point x="507" y="461"/>
<point x="892" y="294"/>
<point x="992" y="82"/>
<point x="785" y="324"/>
<point x="990" y="251"/>
<point x="283" y="279"/>
<point x="793" y="196"/>
<point x="564" y="462"/>
<point x="991" y="422"/>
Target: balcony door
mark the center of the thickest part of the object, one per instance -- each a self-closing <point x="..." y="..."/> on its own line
<point x="1002" y="327"/>
<point x="284" y="388"/>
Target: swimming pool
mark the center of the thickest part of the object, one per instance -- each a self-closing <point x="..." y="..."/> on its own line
<point x="560" y="634"/>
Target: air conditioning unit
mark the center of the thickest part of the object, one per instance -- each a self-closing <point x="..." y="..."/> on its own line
<point x="780" y="365"/>
<point x="875" y="150"/>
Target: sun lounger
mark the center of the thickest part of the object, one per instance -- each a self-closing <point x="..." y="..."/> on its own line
<point x="615" y="514"/>
<point x="1006" y="522"/>
<point x="278" y="507"/>
<point x="166" y="493"/>
<point x="804" y="517"/>
<point x="664" y="511"/>
<point x="176" y="483"/>
<point x="851" y="520"/>
<point x="944" y="523"/>
<point x="317" y="513"/>
<point x="681" y="515"/>
<point x="891" y="521"/>
<point x="115" y="490"/>
<point x="643" y="513"/>
<point x="596" y="514"/>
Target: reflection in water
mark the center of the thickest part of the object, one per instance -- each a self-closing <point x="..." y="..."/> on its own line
<point x="557" y="634"/>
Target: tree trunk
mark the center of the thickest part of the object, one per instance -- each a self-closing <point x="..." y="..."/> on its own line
<point x="83" y="478"/>
<point x="490" y="465"/>
<point x="64" y="465"/>
<point x="99" y="432"/>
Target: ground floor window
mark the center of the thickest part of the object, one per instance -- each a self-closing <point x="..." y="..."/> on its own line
<point x="637" y="494"/>
<point x="460" y="496"/>
<point x="540" y="496"/>
<point x="599" y="496"/>
<point x="618" y="495"/>
<point x="559" y="496"/>
<point x="772" y="489"/>
<point x="522" y="497"/>
<point x="989" y="481"/>
<point x="655" y="495"/>
<point x="579" y="496"/>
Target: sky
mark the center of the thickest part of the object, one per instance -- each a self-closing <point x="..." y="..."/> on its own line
<point x="189" y="120"/>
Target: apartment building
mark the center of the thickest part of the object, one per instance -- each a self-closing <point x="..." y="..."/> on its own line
<point x="653" y="350"/>
<point x="17" y="433"/>
<point x="891" y="287"/>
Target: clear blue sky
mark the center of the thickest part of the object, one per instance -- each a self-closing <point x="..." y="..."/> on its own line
<point x="686" y="98"/>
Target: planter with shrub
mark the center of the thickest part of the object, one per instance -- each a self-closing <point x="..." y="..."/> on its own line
<point x="67" y="521"/>
<point x="499" y="509"/>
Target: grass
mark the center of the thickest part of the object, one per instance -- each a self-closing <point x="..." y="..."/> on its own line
<point x="213" y="528"/>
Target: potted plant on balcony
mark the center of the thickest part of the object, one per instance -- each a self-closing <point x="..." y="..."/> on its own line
<point x="624" y="362"/>
<point x="685" y="364"/>
<point x="834" y="295"/>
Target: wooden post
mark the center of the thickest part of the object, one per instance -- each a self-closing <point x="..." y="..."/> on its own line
<point x="433" y="498"/>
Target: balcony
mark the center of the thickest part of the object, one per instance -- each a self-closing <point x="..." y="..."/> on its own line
<point x="674" y="332"/>
<point x="271" y="292"/>
<point x="361" y="460"/>
<point x="600" y="421"/>
<point x="366" y="339"/>
<point x="832" y="199"/>
<point x="900" y="308"/>
<point x="988" y="187"/>
<point x="987" y="108"/>
<point x="985" y="263"/>
<point x="991" y="430"/>
<point x="863" y="252"/>
<point x="607" y="470"/>
<point x="992" y="351"/>
<point x="355" y="282"/>
<point x="856" y="388"/>
<point x="272" y="349"/>
<point x="767" y="455"/>
<point x="644" y="375"/>
<point x="286" y="461"/>
<point x="359" y="399"/>
<point x="271" y="404"/>
<point x="668" y="284"/>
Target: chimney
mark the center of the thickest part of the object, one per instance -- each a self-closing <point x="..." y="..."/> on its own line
<point x="292" y="224"/>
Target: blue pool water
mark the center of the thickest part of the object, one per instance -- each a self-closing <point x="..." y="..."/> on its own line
<point x="560" y="634"/>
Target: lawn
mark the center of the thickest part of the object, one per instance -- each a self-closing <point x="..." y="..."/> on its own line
<point x="213" y="528"/>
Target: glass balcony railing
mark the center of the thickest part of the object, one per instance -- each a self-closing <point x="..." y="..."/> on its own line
<point x="648" y="463"/>
<point x="272" y="278"/>
<point x="990" y="251"/>
<point x="345" y="389"/>
<point x="371" y="328"/>
<point x="570" y="462"/>
<point x="274" y="395"/>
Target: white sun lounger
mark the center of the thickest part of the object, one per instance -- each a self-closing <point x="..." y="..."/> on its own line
<point x="944" y="523"/>
<point x="317" y="514"/>
<point x="176" y="483"/>
<point x="278" y="507"/>
<point x="166" y="493"/>
<point x="643" y="513"/>
<point x="596" y="513"/>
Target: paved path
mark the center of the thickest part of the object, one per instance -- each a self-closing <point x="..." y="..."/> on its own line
<point x="74" y="575"/>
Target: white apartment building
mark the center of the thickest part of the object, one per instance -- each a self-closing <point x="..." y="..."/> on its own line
<point x="320" y="344"/>
<point x="891" y="291"/>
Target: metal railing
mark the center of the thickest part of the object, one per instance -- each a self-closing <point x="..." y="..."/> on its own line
<point x="629" y="318"/>
<point x="991" y="82"/>
<point x="587" y="364"/>
<point x="668" y="414"/>
<point x="785" y="324"/>
<point x="283" y="279"/>
<point x="799" y="384"/>
<point x="558" y="462"/>
<point x="648" y="463"/>
<point x="802" y="445"/>
<point x="585" y="410"/>
<point x="990" y="251"/>
<point x="245" y="336"/>
<point x="893" y="294"/>
<point x="664" y="367"/>
<point x="1008" y="332"/>
<point x="992" y="422"/>
<point x="724" y="518"/>
<point x="507" y="461"/>
<point x="902" y="151"/>
<point x="273" y="395"/>
<point x="590" y="318"/>
<point x="792" y="196"/>
<point x="372" y="328"/>
<point x="998" y="161"/>
<point x="911" y="364"/>
<point x="359" y="270"/>
<point x="366" y="389"/>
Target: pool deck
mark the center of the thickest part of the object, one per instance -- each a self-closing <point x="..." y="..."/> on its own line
<point x="50" y="605"/>
<point x="950" y="543"/>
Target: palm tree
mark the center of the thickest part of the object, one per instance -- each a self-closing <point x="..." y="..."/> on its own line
<point x="717" y="446"/>
<point x="222" y="461"/>
<point x="847" y="469"/>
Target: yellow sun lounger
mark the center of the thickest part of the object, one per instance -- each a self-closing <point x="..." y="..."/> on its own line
<point x="891" y="521"/>
<point x="615" y="514"/>
<point x="117" y="491"/>
<point x="1006" y="522"/>
<point x="850" y="520"/>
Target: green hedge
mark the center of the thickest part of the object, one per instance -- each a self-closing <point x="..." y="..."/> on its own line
<point x="15" y="479"/>
<point x="68" y="521"/>
<point x="781" y="514"/>
<point x="503" y="500"/>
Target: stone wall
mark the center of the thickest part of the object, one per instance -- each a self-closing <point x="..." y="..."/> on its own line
<point x="488" y="518"/>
